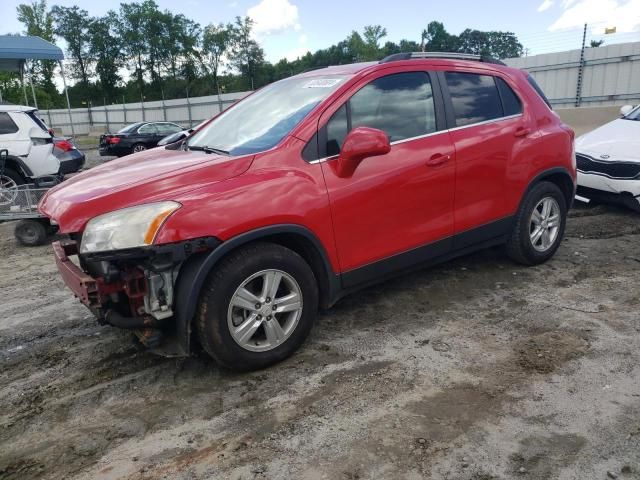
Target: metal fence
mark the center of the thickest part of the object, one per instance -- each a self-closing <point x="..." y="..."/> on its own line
<point x="183" y="111"/>
<point x="607" y="75"/>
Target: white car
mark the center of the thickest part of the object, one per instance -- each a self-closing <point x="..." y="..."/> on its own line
<point x="29" y="146"/>
<point x="608" y="161"/>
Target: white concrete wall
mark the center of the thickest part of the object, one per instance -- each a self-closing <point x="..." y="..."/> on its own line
<point x="186" y="112"/>
<point x="611" y="74"/>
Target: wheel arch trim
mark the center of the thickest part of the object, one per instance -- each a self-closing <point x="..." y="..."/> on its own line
<point x="552" y="172"/>
<point x="196" y="268"/>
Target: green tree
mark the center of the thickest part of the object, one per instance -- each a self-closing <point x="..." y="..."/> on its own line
<point x="183" y="37"/>
<point x="596" y="43"/>
<point x="372" y="35"/>
<point x="132" y="28"/>
<point x="72" y="24"/>
<point x="245" y="53"/>
<point x="38" y="21"/>
<point x="216" y="41"/>
<point x="493" y="44"/>
<point x="105" y="48"/>
<point x="436" y="39"/>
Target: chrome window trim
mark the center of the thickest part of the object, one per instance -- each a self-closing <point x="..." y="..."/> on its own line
<point x="419" y="137"/>
<point x="484" y="122"/>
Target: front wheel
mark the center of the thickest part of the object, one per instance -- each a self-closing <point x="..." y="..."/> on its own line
<point x="257" y="307"/>
<point x="31" y="233"/>
<point x="539" y="226"/>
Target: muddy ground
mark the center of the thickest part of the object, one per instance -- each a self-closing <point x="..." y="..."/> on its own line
<point x="478" y="369"/>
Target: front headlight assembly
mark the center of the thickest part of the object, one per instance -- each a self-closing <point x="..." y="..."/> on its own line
<point x="127" y="228"/>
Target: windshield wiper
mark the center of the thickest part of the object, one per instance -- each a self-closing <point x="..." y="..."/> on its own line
<point x="207" y="149"/>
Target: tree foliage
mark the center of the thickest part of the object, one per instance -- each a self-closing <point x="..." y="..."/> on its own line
<point x="170" y="55"/>
<point x="38" y="21"/>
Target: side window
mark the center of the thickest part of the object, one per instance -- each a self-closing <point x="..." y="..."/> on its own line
<point x="148" y="128"/>
<point x="401" y="105"/>
<point x="337" y="129"/>
<point x="510" y="101"/>
<point x="7" y="125"/>
<point x="475" y="97"/>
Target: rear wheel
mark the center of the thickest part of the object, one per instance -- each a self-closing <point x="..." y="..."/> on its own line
<point x="539" y="226"/>
<point x="257" y="307"/>
<point x="138" y="147"/>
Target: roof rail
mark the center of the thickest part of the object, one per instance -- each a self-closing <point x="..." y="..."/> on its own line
<point x="446" y="55"/>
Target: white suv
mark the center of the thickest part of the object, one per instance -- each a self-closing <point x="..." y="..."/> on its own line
<point x="29" y="146"/>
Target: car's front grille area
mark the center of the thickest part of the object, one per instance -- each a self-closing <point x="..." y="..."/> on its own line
<point x="620" y="170"/>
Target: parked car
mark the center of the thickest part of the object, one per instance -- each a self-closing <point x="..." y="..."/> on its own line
<point x="609" y="161"/>
<point x="176" y="137"/>
<point x="136" y="137"/>
<point x="71" y="159"/>
<point x="33" y="155"/>
<point x="309" y="189"/>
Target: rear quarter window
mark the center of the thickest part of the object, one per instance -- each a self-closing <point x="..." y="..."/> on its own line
<point x="510" y="101"/>
<point x="538" y="90"/>
<point x="7" y="125"/>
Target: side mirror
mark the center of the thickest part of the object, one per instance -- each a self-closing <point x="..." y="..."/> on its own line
<point x="625" y="110"/>
<point x="360" y="143"/>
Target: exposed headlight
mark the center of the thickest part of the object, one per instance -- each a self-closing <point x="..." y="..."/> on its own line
<point x="126" y="228"/>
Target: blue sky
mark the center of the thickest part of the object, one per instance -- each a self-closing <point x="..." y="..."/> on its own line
<point x="287" y="28"/>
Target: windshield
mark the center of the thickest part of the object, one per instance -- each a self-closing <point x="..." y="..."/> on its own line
<point x="633" y="114"/>
<point x="129" y="128"/>
<point x="262" y="120"/>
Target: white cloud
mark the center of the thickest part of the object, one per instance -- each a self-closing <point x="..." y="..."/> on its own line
<point x="273" y="16"/>
<point x="545" y="5"/>
<point x="624" y="15"/>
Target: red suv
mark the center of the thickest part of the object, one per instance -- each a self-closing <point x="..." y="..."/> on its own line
<point x="308" y="189"/>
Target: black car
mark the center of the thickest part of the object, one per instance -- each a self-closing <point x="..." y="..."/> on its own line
<point x="136" y="137"/>
<point x="71" y="159"/>
<point x="176" y="137"/>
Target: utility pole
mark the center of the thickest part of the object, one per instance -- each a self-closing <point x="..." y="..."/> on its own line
<point x="581" y="69"/>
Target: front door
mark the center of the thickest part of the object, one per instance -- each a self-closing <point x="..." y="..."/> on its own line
<point x="396" y="209"/>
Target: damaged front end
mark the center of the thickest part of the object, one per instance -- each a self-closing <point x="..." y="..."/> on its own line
<point x="134" y="289"/>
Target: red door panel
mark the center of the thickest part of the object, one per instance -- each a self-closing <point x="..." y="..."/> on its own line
<point x="393" y="203"/>
<point x="483" y="153"/>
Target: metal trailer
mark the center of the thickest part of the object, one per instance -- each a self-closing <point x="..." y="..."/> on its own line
<point x="20" y="203"/>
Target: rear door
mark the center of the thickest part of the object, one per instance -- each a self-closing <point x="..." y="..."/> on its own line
<point x="485" y="116"/>
<point x="148" y="134"/>
<point x="396" y="209"/>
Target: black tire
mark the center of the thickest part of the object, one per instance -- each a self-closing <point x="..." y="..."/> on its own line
<point x="211" y="317"/>
<point x="519" y="245"/>
<point x="30" y="233"/>
<point x="141" y="146"/>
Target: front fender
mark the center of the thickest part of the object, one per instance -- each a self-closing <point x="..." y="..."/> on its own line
<point x="196" y="268"/>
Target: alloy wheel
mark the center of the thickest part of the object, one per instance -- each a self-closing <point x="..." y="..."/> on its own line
<point x="544" y="224"/>
<point x="139" y="148"/>
<point x="265" y="310"/>
<point x="8" y="190"/>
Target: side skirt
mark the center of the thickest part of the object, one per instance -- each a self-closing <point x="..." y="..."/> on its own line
<point x="489" y="235"/>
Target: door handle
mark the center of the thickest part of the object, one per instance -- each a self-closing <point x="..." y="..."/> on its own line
<point x="438" y="159"/>
<point x="521" y="132"/>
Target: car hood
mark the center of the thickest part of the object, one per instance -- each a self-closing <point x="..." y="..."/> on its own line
<point x="617" y="140"/>
<point x="149" y="176"/>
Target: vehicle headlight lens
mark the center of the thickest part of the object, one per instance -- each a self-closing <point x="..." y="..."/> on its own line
<point x="126" y="228"/>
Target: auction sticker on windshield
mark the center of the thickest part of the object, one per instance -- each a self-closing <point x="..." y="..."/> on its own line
<point x="322" y="83"/>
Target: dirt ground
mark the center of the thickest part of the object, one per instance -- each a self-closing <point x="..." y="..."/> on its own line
<point x="478" y="369"/>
